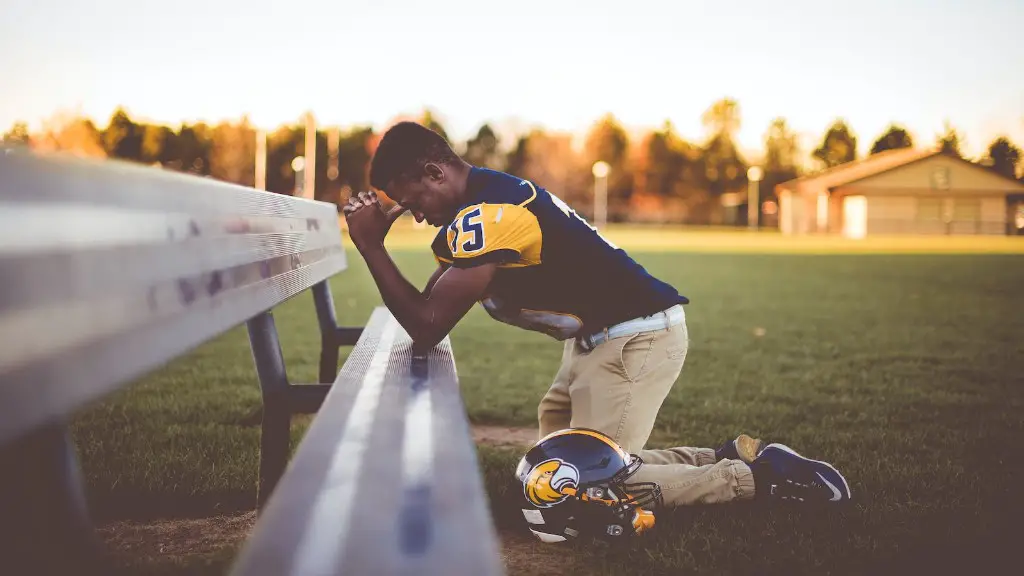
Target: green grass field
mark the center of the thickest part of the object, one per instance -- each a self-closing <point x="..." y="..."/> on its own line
<point x="904" y="370"/>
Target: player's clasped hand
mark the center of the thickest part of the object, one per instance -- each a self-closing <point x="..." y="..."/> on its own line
<point x="368" y="223"/>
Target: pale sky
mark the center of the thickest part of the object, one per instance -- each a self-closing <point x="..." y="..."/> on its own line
<point x="556" y="63"/>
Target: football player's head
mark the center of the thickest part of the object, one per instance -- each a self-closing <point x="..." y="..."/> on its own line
<point x="417" y="168"/>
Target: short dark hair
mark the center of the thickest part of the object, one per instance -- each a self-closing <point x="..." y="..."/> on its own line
<point x="404" y="150"/>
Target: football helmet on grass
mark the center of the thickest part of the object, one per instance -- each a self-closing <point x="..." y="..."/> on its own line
<point x="576" y="485"/>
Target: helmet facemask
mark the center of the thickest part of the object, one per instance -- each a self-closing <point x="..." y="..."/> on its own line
<point x="623" y="506"/>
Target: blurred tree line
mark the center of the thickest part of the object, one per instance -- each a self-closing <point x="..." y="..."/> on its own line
<point x="656" y="176"/>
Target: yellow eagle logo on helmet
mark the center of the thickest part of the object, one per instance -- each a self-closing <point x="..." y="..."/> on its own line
<point x="550" y="482"/>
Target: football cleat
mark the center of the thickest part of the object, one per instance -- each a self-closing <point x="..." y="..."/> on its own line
<point x="742" y="448"/>
<point x="780" y="473"/>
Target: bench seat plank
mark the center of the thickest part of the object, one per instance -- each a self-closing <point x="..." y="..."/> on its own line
<point x="386" y="479"/>
<point x="110" y="269"/>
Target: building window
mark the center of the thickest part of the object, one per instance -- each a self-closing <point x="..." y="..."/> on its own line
<point x="940" y="178"/>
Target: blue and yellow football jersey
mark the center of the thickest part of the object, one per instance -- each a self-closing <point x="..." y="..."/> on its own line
<point x="556" y="274"/>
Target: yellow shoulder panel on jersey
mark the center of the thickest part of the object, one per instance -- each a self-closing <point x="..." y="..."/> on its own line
<point x="508" y="234"/>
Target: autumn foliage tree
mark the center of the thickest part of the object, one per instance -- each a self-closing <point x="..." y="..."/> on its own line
<point x="668" y="165"/>
<point x="950" y="141"/>
<point x="550" y="159"/>
<point x="232" y="152"/>
<point x="430" y="120"/>
<point x="608" y="141"/>
<point x="122" y="137"/>
<point x="1003" y="157"/>
<point x="482" y="149"/>
<point x="723" y="169"/>
<point x="18" y="134"/>
<point x="838" y="146"/>
<point x="661" y="174"/>
<point x="894" y="138"/>
<point x="354" y="153"/>
<point x="781" y="154"/>
<point x="69" y="134"/>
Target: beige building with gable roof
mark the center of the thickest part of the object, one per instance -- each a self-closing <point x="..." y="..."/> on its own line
<point x="904" y="191"/>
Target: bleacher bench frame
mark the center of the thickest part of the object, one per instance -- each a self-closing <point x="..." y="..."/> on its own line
<point x="108" y="270"/>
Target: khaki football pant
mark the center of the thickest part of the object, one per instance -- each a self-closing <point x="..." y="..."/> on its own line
<point x="618" y="388"/>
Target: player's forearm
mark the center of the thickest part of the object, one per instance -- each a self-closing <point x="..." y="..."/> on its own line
<point x="408" y="305"/>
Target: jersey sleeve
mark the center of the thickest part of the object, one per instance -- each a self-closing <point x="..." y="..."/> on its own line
<point x="499" y="233"/>
<point x="442" y="253"/>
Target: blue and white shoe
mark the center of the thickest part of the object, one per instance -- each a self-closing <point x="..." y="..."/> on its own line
<point x="782" y="474"/>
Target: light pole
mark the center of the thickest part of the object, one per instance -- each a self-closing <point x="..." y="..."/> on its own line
<point x="299" y="167"/>
<point x="601" y="170"/>
<point x="754" y="174"/>
<point x="333" y="142"/>
<point x="309" y="155"/>
<point x="260" y="179"/>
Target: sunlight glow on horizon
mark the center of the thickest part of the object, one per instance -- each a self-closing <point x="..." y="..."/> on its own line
<point x="559" y="66"/>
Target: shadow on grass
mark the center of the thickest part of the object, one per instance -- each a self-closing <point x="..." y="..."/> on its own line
<point x="744" y="537"/>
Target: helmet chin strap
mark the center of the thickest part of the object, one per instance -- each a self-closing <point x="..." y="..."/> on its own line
<point x="643" y="520"/>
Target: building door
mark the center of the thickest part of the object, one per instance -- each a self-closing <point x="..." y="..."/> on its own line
<point x="966" y="216"/>
<point x="855" y="216"/>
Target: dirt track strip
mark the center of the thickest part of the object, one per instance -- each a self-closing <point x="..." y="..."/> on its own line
<point x="176" y="540"/>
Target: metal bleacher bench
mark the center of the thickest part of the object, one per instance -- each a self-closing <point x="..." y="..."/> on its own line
<point x="108" y="270"/>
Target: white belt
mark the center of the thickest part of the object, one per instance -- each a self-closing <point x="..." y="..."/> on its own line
<point x="658" y="321"/>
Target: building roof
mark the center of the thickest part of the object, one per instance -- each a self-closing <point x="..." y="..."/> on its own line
<point x="859" y="169"/>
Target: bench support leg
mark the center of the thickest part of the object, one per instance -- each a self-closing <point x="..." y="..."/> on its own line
<point x="44" y="521"/>
<point x="276" y="432"/>
<point x="331" y="335"/>
<point x="280" y="398"/>
<point x="328" y="327"/>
